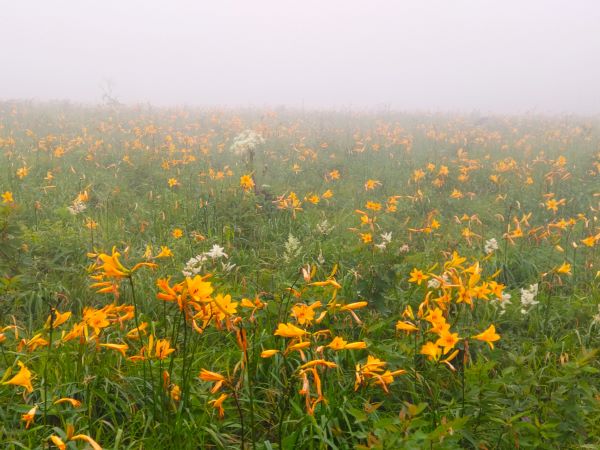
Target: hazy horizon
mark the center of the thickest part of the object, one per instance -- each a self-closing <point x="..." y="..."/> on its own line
<point x="491" y="57"/>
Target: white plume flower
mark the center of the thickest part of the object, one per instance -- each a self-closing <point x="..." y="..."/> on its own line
<point x="528" y="300"/>
<point x="77" y="207"/>
<point x="292" y="248"/>
<point x="246" y="141"/>
<point x="433" y="283"/>
<point x="324" y="227"/>
<point x="490" y="246"/>
<point x="196" y="264"/>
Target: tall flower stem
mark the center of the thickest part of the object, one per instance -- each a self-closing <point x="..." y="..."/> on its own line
<point x="137" y="326"/>
<point x="240" y="413"/>
<point x="251" y="373"/>
<point x="51" y="334"/>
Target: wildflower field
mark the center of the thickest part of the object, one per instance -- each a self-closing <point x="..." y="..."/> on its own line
<point x="283" y="279"/>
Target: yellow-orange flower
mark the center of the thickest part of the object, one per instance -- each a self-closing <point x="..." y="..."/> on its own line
<point x="29" y="417"/>
<point x="165" y="252"/>
<point x="121" y="348"/>
<point x="490" y="336"/>
<point x="22" y="378"/>
<point x="217" y="378"/>
<point x="112" y="267"/>
<point x="305" y="314"/>
<point x="58" y="442"/>
<point x="268" y="353"/>
<point x="199" y="289"/>
<point x="564" y="268"/>
<point x="89" y="440"/>
<point x="431" y="350"/>
<point x="246" y="183"/>
<point x="59" y="319"/>
<point x="417" y="276"/>
<point x="163" y="349"/>
<point x="218" y="404"/>
<point x="73" y="402"/>
<point x="7" y="197"/>
<point x="405" y="326"/>
<point x="339" y="343"/>
<point x="288" y="330"/>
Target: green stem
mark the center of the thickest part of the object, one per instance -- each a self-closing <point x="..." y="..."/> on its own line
<point x="239" y="409"/>
<point x="52" y="316"/>
<point x="137" y="326"/>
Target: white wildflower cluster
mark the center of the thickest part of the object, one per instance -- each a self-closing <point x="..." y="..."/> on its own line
<point x="528" y="300"/>
<point x="491" y="245"/>
<point x="503" y="302"/>
<point x="386" y="238"/>
<point x="292" y="248"/>
<point x="77" y="207"/>
<point x="404" y="249"/>
<point x="245" y="142"/>
<point x="196" y="264"/>
<point x="596" y="317"/>
<point x="324" y="227"/>
<point x="321" y="258"/>
<point x="216" y="252"/>
<point x="435" y="283"/>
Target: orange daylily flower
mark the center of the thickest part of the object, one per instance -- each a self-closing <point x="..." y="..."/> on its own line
<point x="73" y="402"/>
<point x="490" y="336"/>
<point x="121" y="348"/>
<point x="89" y="440"/>
<point x="29" y="417"/>
<point x="218" y="404"/>
<point x="417" y="276"/>
<point x="22" y="378"/>
<point x="287" y="330"/>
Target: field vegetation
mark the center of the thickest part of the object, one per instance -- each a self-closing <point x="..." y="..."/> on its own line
<point x="282" y="279"/>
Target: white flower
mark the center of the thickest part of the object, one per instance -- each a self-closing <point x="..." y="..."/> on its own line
<point x="386" y="238"/>
<point x="596" y="317"/>
<point x="528" y="300"/>
<point x="323" y="227"/>
<point x="405" y="248"/>
<point x="216" y="252"/>
<point x="246" y="141"/>
<point x="491" y="245"/>
<point x="194" y="265"/>
<point x="320" y="258"/>
<point x="433" y="283"/>
<point x="227" y="266"/>
<point x="292" y="248"/>
<point x="534" y="288"/>
<point x="77" y="207"/>
<point x="503" y="302"/>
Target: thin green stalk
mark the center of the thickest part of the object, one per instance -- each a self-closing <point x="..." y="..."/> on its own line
<point x="48" y="351"/>
<point x="137" y="326"/>
<point x="250" y="373"/>
<point x="241" y="415"/>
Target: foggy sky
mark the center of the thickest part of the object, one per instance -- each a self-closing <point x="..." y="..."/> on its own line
<point x="490" y="56"/>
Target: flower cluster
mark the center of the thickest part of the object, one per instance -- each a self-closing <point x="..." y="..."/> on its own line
<point x="246" y="141"/>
